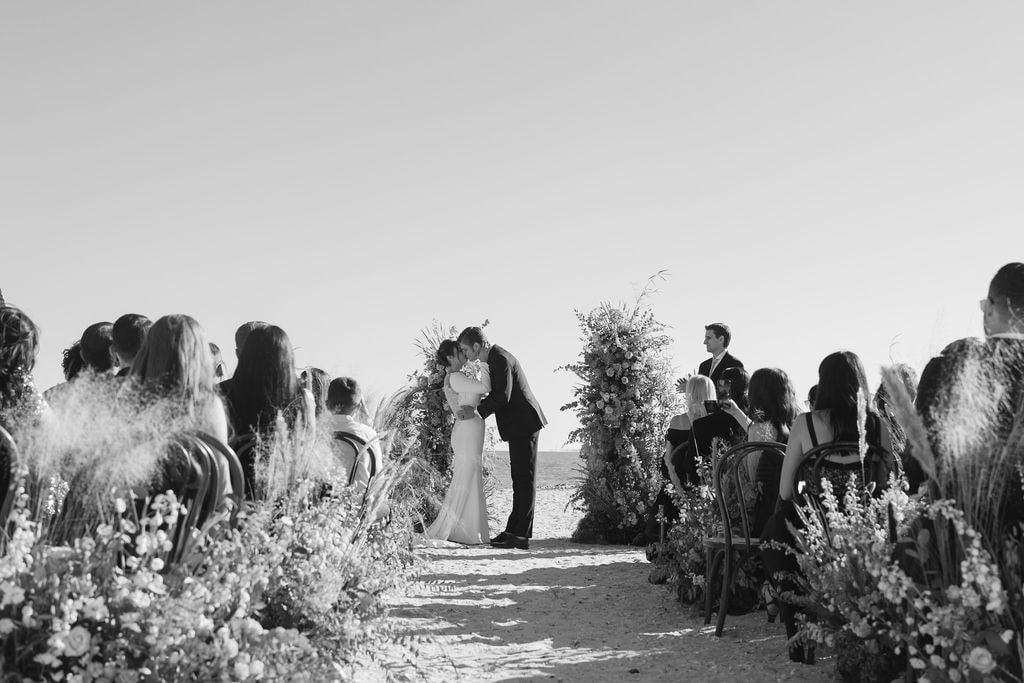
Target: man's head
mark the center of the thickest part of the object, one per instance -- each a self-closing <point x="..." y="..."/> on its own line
<point x="219" y="368"/>
<point x="716" y="338"/>
<point x="128" y="333"/>
<point x="243" y="332"/>
<point x="95" y="349"/>
<point x="344" y="396"/>
<point x="733" y="384"/>
<point x="473" y="343"/>
<point x="1003" y="309"/>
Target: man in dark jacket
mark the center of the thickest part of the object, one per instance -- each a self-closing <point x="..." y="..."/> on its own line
<point x="519" y="419"/>
<point x="970" y="394"/>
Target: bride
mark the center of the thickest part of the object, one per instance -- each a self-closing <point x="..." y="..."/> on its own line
<point x="463" y="516"/>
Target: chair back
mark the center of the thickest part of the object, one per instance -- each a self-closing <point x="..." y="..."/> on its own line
<point x="188" y="475"/>
<point x="245" y="449"/>
<point x="8" y="477"/>
<point x="875" y="467"/>
<point x="227" y="457"/>
<point x="735" y="500"/>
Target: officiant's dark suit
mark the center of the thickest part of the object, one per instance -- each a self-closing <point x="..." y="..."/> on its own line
<point x="728" y="361"/>
<point x="520" y="420"/>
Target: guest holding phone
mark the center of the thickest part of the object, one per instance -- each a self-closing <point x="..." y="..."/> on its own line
<point x="726" y="419"/>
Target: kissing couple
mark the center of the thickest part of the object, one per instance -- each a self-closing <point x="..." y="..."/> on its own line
<point x="484" y="379"/>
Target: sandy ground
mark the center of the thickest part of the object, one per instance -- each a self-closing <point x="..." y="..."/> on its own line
<point x="568" y="612"/>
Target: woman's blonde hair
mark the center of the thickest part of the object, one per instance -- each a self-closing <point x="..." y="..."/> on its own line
<point x="698" y="389"/>
<point x="175" y="359"/>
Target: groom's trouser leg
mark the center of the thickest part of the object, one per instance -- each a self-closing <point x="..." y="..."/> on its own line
<point x="522" y="456"/>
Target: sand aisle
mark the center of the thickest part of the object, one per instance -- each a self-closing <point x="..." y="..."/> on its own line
<point x="570" y="612"/>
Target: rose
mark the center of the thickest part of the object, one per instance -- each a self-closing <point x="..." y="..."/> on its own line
<point x="77" y="642"/>
<point x="981" y="660"/>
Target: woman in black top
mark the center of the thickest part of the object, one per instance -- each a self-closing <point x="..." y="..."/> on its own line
<point x="265" y="386"/>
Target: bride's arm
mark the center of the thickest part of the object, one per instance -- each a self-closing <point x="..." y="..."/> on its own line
<point x="451" y="395"/>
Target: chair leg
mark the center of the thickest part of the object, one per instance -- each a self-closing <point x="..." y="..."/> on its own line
<point x="707" y="585"/>
<point x="714" y="561"/>
<point x="723" y="601"/>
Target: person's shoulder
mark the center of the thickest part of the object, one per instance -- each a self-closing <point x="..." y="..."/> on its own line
<point x="736" y="362"/>
<point x="680" y="421"/>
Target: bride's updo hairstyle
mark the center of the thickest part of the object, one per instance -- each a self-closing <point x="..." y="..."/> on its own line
<point x="449" y="347"/>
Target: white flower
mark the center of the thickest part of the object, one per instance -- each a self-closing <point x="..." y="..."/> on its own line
<point x="77" y="642"/>
<point x="156" y="564"/>
<point x="120" y="506"/>
<point x="241" y="671"/>
<point x="13" y="594"/>
<point x="981" y="660"/>
<point x="6" y="626"/>
<point x="95" y="608"/>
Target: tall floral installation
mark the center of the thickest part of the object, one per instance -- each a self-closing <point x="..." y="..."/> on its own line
<point x="623" y="401"/>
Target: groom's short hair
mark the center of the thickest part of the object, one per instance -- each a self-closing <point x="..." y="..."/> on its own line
<point x="472" y="335"/>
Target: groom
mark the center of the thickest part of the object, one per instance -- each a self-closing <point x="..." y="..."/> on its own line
<point x="520" y="420"/>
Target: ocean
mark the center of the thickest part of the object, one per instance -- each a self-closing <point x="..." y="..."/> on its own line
<point x="554" y="469"/>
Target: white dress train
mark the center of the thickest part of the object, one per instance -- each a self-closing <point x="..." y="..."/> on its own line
<point x="463" y="515"/>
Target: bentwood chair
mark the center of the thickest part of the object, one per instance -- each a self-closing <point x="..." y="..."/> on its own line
<point x="8" y="478"/>
<point x="227" y="457"/>
<point x="735" y="495"/>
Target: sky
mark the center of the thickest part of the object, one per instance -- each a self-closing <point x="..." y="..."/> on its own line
<point x="817" y="175"/>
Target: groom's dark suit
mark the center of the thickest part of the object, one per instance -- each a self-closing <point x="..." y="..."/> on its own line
<point x="520" y="420"/>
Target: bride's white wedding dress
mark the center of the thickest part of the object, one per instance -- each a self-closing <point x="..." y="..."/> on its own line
<point x="463" y="516"/>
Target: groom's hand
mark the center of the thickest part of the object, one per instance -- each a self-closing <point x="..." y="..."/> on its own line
<point x="467" y="412"/>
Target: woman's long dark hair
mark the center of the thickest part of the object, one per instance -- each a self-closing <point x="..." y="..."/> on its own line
<point x="19" y="344"/>
<point x="773" y="400"/>
<point x="264" y="383"/>
<point x="841" y="379"/>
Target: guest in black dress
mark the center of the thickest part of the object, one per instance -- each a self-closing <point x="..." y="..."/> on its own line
<point x="773" y="408"/>
<point x="841" y="380"/>
<point x="728" y="422"/>
<point x="266" y="386"/>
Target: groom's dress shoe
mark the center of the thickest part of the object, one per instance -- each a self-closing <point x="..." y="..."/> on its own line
<point x="500" y="538"/>
<point x="511" y="541"/>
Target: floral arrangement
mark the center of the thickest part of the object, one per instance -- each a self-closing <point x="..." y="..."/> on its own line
<point x="933" y="601"/>
<point x="623" y="402"/>
<point x="295" y="588"/>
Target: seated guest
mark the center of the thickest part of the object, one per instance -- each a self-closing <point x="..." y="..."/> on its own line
<point x="265" y="386"/>
<point x="841" y="382"/>
<point x="812" y="395"/>
<point x="174" y="362"/>
<point x="985" y="380"/>
<point x="356" y="443"/>
<point x="316" y="381"/>
<point x="773" y="408"/>
<point x="699" y="389"/>
<point x="728" y="421"/>
<point x="241" y="334"/>
<point x="19" y="345"/>
<point x="897" y="435"/>
<point x="126" y="339"/>
<point x="71" y="364"/>
<point x="96" y="350"/>
<point x="219" y="368"/>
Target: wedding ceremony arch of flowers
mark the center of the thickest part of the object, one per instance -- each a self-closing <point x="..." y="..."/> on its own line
<point x="624" y="400"/>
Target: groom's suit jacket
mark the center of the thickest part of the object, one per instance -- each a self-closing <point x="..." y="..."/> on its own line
<point x="511" y="401"/>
